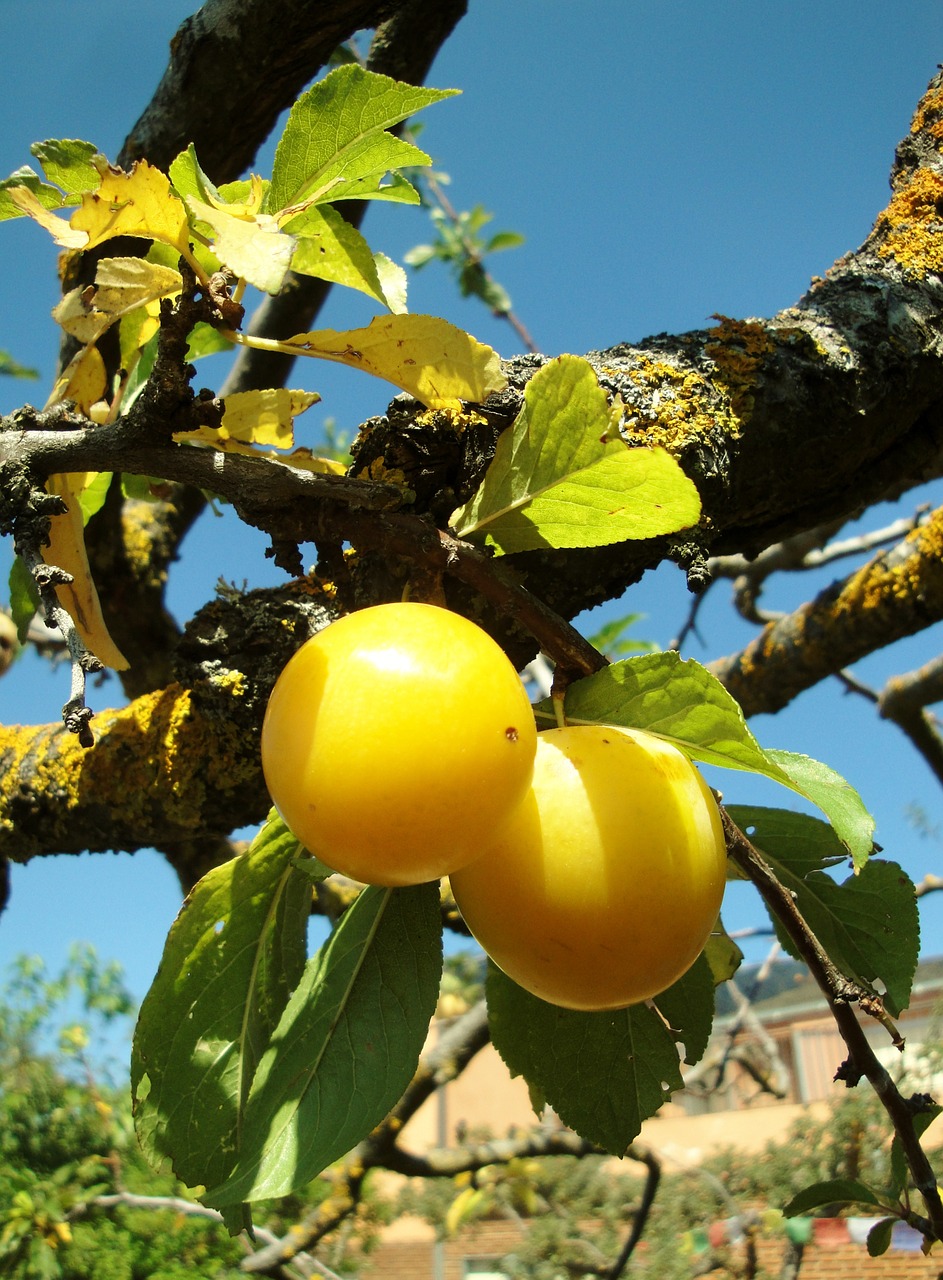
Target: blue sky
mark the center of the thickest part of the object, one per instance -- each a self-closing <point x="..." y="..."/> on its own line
<point x="665" y="162"/>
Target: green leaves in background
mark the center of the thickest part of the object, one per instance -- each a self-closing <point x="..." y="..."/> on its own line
<point x="336" y="146"/>
<point x="868" y="923"/>
<point x="563" y="477"/>
<point x="346" y="1046"/>
<point x="603" y="1073"/>
<point x="680" y="700"/>
<point x="231" y="959"/>
<point x="11" y="368"/>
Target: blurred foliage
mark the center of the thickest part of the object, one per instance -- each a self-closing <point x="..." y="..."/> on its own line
<point x="13" y="369"/>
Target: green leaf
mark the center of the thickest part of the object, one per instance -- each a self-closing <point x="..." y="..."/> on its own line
<point x="837" y="799"/>
<point x="680" y="700"/>
<point x="189" y="179"/>
<point x="68" y="162"/>
<point x="393" y="282"/>
<point x="346" y="1047"/>
<point x="900" y="1171"/>
<point x="868" y="924"/>
<point x="92" y="498"/>
<point x="834" y="1191"/>
<point x="331" y="249"/>
<point x="879" y="1237"/>
<point x="232" y="957"/>
<point x="24" y="598"/>
<point x="561" y="477"/>
<point x="49" y="197"/>
<point x="335" y="145"/>
<point x="11" y="368"/>
<point x="723" y="955"/>
<point x="674" y="697"/>
<point x="688" y="1008"/>
<point x="603" y="1073"/>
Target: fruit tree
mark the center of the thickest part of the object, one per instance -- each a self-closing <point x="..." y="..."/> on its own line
<point x="494" y="501"/>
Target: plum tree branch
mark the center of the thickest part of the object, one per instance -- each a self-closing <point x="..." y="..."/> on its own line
<point x="897" y="593"/>
<point x="841" y="995"/>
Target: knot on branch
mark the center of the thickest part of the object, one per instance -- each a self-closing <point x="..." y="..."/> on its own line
<point x="50" y="575"/>
<point x="76" y="716"/>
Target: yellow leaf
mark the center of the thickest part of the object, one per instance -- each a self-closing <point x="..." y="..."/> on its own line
<point x="255" y="417"/>
<point x="121" y="286"/>
<point x="305" y="460"/>
<point x="58" y="228"/>
<point x="253" y="247"/>
<point x="139" y="203"/>
<point x="463" y="1209"/>
<point x="67" y="551"/>
<point x="431" y="359"/>
<point x="83" y="380"/>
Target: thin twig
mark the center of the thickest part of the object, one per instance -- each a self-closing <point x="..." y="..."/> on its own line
<point x="841" y="994"/>
<point x="652" y="1179"/>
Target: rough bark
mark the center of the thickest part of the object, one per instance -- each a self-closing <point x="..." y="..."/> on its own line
<point x="784" y="424"/>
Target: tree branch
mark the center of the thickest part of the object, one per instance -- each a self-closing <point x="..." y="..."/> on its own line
<point x="235" y="65"/>
<point x="841" y="994"/>
<point x="897" y="593"/>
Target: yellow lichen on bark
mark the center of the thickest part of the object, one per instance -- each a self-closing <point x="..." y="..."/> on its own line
<point x="679" y="406"/>
<point x="911" y="574"/>
<point x="158" y="764"/>
<point x="910" y="229"/>
<point x="738" y="349"/>
<point x="929" y="114"/>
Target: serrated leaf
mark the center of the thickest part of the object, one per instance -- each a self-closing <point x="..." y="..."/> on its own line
<point x="26" y="178"/>
<point x="680" y="700"/>
<point x="868" y="924"/>
<point x="603" y="1073"/>
<point x="837" y="799"/>
<point x="688" y="1008"/>
<point x="255" y="418"/>
<point x="561" y="478"/>
<point x="331" y="249"/>
<point x="335" y="145"/>
<point x="254" y="248"/>
<point x="139" y="203"/>
<point x="68" y="162"/>
<point x="833" y="1191"/>
<point x="423" y="355"/>
<point x="346" y="1046"/>
<point x="674" y="697"/>
<point x="232" y="957"/>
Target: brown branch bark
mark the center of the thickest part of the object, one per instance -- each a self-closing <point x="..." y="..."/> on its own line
<point x="841" y="996"/>
<point x="234" y="66"/>
<point x="896" y="594"/>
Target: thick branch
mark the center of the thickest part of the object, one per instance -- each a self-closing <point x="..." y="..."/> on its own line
<point x="234" y="66"/>
<point x="896" y="594"/>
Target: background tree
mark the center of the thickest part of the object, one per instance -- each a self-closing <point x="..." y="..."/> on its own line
<point x="741" y="404"/>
